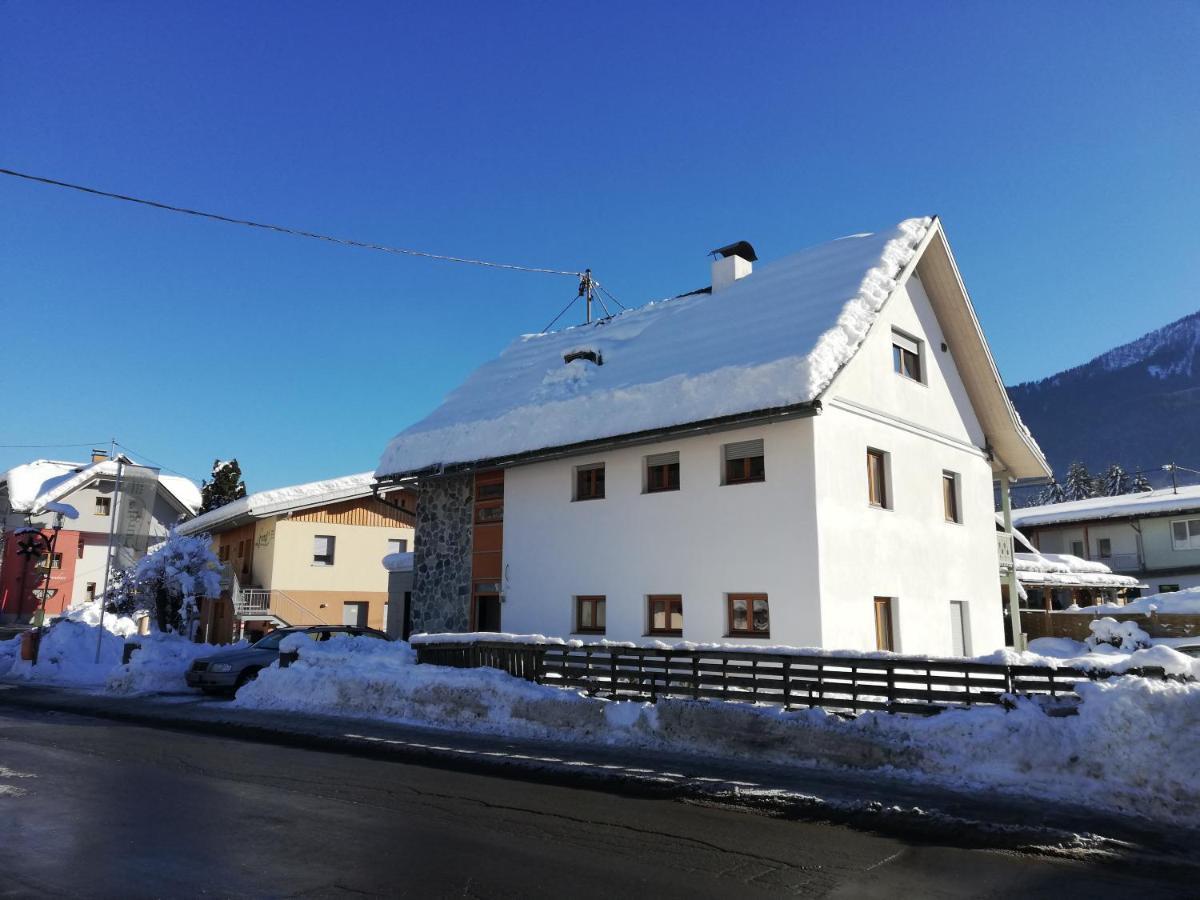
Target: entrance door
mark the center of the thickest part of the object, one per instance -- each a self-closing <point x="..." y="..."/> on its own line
<point x="958" y="628"/>
<point x="355" y="614"/>
<point x="487" y="612"/>
<point x="884" y="634"/>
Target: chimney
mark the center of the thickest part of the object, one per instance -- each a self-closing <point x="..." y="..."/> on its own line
<point x="730" y="263"/>
<point x="99" y="455"/>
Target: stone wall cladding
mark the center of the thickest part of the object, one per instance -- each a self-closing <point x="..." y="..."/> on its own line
<point x="442" y="555"/>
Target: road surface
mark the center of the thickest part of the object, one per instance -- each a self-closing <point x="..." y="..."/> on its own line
<point x="95" y="808"/>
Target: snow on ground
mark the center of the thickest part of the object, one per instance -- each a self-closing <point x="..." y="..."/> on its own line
<point x="800" y="319"/>
<point x="1131" y="748"/>
<point x="158" y="666"/>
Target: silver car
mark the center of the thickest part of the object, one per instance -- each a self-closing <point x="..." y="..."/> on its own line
<point x="224" y="673"/>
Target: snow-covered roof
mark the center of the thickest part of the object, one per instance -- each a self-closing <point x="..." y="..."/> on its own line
<point x="1064" y="570"/>
<point x="771" y="341"/>
<point x="1146" y="503"/>
<point x="282" y="500"/>
<point x="33" y="485"/>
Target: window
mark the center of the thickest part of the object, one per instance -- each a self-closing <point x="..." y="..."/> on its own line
<point x="103" y="506"/>
<point x="1168" y="588"/>
<point x="90" y="591"/>
<point x="492" y="490"/>
<point x="950" y="504"/>
<point x="749" y="615"/>
<point x="662" y="472"/>
<point x="223" y="553"/>
<point x="79" y="547"/>
<point x="397" y="545"/>
<point x="877" y="486"/>
<point x="885" y="634"/>
<point x="589" y="615"/>
<point x="744" y="462"/>
<point x="323" y="550"/>
<point x="665" y="614"/>
<point x="489" y="514"/>
<point x="45" y="560"/>
<point x="960" y="635"/>
<point x="355" y="613"/>
<point x="1185" y="534"/>
<point x="1104" y="548"/>
<point x="241" y="549"/>
<point x="1077" y="549"/>
<point x="906" y="355"/>
<point x="589" y="482"/>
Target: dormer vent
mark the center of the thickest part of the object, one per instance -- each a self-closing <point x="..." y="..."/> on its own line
<point x="731" y="262"/>
<point x="592" y="356"/>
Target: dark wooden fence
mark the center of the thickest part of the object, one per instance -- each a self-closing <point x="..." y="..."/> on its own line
<point x="896" y="684"/>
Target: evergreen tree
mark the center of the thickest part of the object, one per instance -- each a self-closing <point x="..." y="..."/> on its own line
<point x="1141" y="483"/>
<point x="1079" y="484"/>
<point x="1114" y="481"/>
<point x="1051" y="493"/>
<point x="225" y="487"/>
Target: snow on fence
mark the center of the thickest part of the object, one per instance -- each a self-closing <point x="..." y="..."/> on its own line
<point x="894" y="684"/>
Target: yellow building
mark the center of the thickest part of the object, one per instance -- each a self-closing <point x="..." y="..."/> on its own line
<point x="309" y="554"/>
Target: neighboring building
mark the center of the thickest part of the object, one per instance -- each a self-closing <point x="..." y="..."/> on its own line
<point x="308" y="554"/>
<point x="804" y="455"/>
<point x="1152" y="536"/>
<point x="78" y="568"/>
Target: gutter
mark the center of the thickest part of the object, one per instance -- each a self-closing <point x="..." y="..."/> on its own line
<point x="804" y="410"/>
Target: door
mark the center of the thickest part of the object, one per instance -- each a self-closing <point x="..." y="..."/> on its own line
<point x="884" y="632"/>
<point x="355" y="614"/>
<point x="958" y="628"/>
<point x="487" y="612"/>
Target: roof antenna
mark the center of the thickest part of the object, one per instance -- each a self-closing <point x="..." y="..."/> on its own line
<point x="585" y="290"/>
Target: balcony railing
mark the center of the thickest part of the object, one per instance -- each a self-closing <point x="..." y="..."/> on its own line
<point x="273" y="602"/>
<point x="1121" y="562"/>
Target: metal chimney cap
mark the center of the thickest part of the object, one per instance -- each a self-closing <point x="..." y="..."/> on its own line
<point x="740" y="248"/>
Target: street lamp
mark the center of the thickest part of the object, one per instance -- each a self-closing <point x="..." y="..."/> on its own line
<point x="33" y="546"/>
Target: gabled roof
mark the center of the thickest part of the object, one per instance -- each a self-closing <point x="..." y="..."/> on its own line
<point x="282" y="500"/>
<point x="769" y="344"/>
<point x="32" y="485"/>
<point x="1124" y="506"/>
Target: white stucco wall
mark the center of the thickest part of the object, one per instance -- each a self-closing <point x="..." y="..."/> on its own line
<point x="701" y="542"/>
<point x="909" y="552"/>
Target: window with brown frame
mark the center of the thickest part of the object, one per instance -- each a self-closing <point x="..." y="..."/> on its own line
<point x="589" y="482"/>
<point x="950" y="503"/>
<point x="103" y="506"/>
<point x="223" y="553"/>
<point x="744" y="462"/>
<point x="877" y="488"/>
<point x="589" y="615"/>
<point x="885" y="635"/>
<point x="665" y="614"/>
<point x="662" y="473"/>
<point x="906" y="355"/>
<point x="749" y="615"/>
<point x="489" y="513"/>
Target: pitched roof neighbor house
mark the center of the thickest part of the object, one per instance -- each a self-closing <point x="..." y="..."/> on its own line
<point x="307" y="554"/>
<point x="1153" y="536"/>
<point x="29" y="494"/>
<point x="803" y="452"/>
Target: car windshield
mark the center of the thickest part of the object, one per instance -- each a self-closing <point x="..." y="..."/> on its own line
<point x="271" y="641"/>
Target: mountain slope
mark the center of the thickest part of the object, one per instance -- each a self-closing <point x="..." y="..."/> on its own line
<point x="1138" y="404"/>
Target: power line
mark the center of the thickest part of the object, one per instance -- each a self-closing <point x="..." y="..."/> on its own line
<point x="608" y="294"/>
<point x="50" y="446"/>
<point x="156" y="463"/>
<point x="560" y="314"/>
<point x="349" y="242"/>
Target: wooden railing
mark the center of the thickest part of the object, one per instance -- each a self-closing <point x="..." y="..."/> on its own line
<point x="896" y="684"/>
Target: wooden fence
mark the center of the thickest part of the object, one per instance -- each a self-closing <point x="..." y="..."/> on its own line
<point x="895" y="684"/>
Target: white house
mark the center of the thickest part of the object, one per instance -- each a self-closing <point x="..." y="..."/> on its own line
<point x="1153" y="536"/>
<point x="803" y="453"/>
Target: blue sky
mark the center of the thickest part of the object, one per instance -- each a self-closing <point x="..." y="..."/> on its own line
<point x="1057" y="141"/>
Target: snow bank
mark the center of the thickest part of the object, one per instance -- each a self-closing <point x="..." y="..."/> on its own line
<point x="1122" y="635"/>
<point x="800" y="319"/>
<point x="1175" y="603"/>
<point x="67" y="654"/>
<point x="158" y="666"/>
<point x="1131" y="748"/>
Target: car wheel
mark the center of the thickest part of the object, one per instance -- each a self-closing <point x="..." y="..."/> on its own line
<point x="246" y="676"/>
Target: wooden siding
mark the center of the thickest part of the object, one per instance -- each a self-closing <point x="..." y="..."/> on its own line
<point x="363" y="511"/>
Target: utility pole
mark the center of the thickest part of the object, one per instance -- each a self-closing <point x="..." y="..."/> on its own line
<point x="114" y="511"/>
<point x="586" y="288"/>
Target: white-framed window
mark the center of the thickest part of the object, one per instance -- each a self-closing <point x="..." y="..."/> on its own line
<point x="397" y="545"/>
<point x="103" y="506"/>
<point x="907" y="359"/>
<point x="951" y="496"/>
<point x="323" y="550"/>
<point x="1185" y="534"/>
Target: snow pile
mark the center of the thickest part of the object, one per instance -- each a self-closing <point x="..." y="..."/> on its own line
<point x="1122" y="635"/>
<point x="1185" y="602"/>
<point x="159" y="664"/>
<point x="1063" y="569"/>
<point x="1131" y="748"/>
<point x="800" y="319"/>
<point x="67" y="654"/>
<point x="398" y="562"/>
<point x="281" y="499"/>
